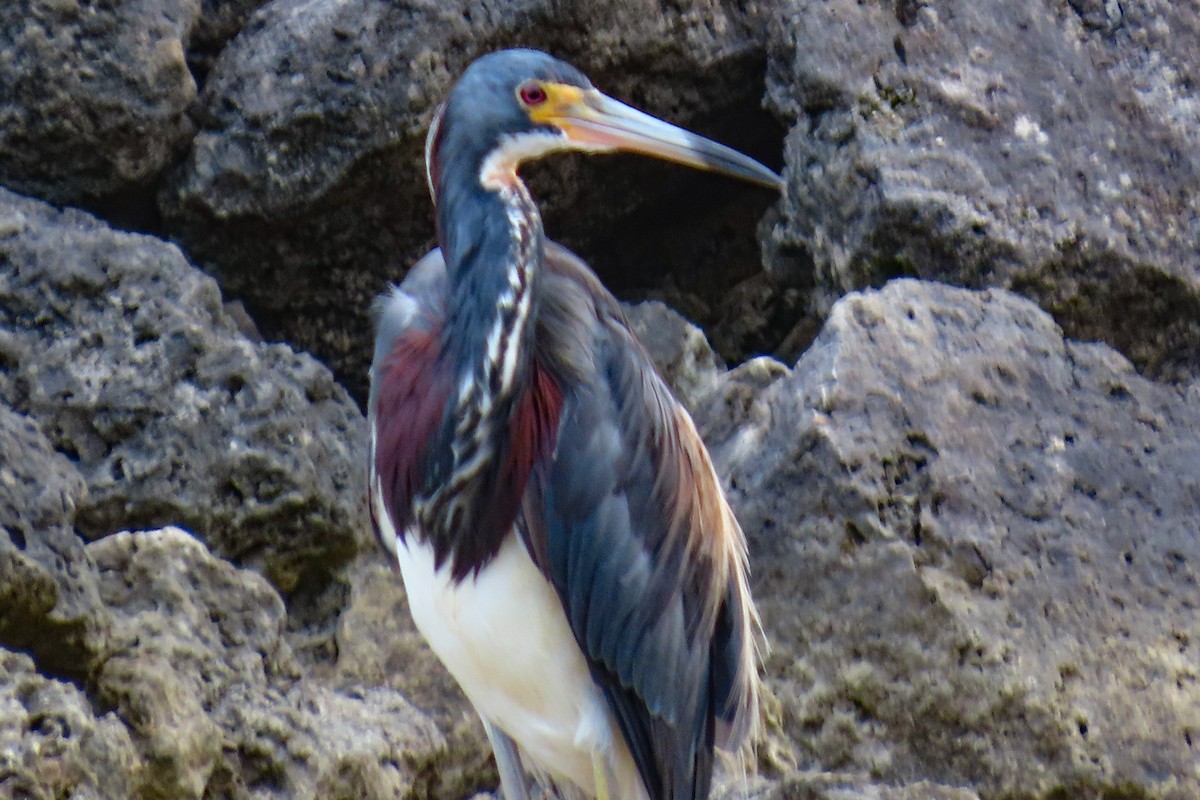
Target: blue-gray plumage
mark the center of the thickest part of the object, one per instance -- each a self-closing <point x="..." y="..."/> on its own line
<point x="565" y="543"/>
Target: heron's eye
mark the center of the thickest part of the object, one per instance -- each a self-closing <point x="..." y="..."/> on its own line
<point x="532" y="94"/>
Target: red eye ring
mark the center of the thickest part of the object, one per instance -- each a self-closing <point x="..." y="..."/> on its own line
<point x="532" y="94"/>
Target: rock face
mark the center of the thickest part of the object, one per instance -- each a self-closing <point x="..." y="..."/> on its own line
<point x="188" y="676"/>
<point x="201" y="673"/>
<point x="832" y="786"/>
<point x="93" y="96"/>
<point x="1044" y="147"/>
<point x="218" y="22"/>
<point x="203" y="695"/>
<point x="164" y="670"/>
<point x="124" y="355"/>
<point x="48" y="605"/>
<point x="55" y="744"/>
<point x="976" y="550"/>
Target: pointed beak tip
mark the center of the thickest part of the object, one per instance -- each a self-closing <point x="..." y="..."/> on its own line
<point x="768" y="179"/>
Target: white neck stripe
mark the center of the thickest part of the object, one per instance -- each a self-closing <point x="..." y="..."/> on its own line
<point x="499" y="169"/>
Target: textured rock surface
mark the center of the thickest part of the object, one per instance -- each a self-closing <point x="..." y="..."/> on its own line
<point x="1046" y="147"/>
<point x="832" y="786"/>
<point x="218" y="23"/>
<point x="304" y="189"/>
<point x="48" y="601"/>
<point x="123" y="354"/>
<point x="976" y="550"/>
<point x="201" y="673"/>
<point x="189" y="629"/>
<point x="93" y="96"/>
<point x="193" y="679"/>
<point x="185" y="685"/>
<point x="52" y="742"/>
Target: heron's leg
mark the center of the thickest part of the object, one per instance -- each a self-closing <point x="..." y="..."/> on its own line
<point x="508" y="762"/>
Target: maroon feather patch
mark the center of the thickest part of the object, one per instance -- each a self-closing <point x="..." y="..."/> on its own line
<point x="409" y="404"/>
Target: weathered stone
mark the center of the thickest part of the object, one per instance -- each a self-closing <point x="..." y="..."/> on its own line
<point x="834" y="786"/>
<point x="48" y="601"/>
<point x="305" y="192"/>
<point x="53" y="744"/>
<point x="218" y="23"/>
<point x="124" y="356"/>
<point x="311" y="743"/>
<point x="201" y="672"/>
<point x="190" y="628"/>
<point x="763" y="316"/>
<point x="732" y="402"/>
<point x="39" y="488"/>
<point x="93" y="96"/>
<point x="975" y="548"/>
<point x="1005" y="144"/>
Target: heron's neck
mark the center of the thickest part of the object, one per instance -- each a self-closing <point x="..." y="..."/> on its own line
<point x="493" y="245"/>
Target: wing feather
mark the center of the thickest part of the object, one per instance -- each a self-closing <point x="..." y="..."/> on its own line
<point x="408" y="395"/>
<point x="629" y="523"/>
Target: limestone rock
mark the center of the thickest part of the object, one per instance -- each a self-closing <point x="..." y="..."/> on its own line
<point x="48" y="600"/>
<point x="39" y="488"/>
<point x="218" y="706"/>
<point x="53" y="743"/>
<point x="122" y="353"/>
<point x="677" y="348"/>
<point x="311" y="743"/>
<point x="975" y="549"/>
<point x="835" y="786"/>
<point x="219" y="21"/>
<point x="190" y="629"/>
<point x="1046" y="148"/>
<point x="93" y="96"/>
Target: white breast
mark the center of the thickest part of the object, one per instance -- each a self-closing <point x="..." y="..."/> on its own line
<point x="505" y="639"/>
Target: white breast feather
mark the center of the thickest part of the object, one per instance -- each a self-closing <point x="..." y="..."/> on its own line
<point x="504" y="637"/>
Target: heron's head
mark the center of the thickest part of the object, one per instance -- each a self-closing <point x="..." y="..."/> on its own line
<point x="513" y="106"/>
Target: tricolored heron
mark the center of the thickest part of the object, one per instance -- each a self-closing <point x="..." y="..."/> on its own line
<point x="564" y="541"/>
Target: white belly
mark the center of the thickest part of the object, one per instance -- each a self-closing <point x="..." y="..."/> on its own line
<point x="505" y="639"/>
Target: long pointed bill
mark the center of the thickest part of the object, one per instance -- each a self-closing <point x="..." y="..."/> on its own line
<point x="594" y="121"/>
